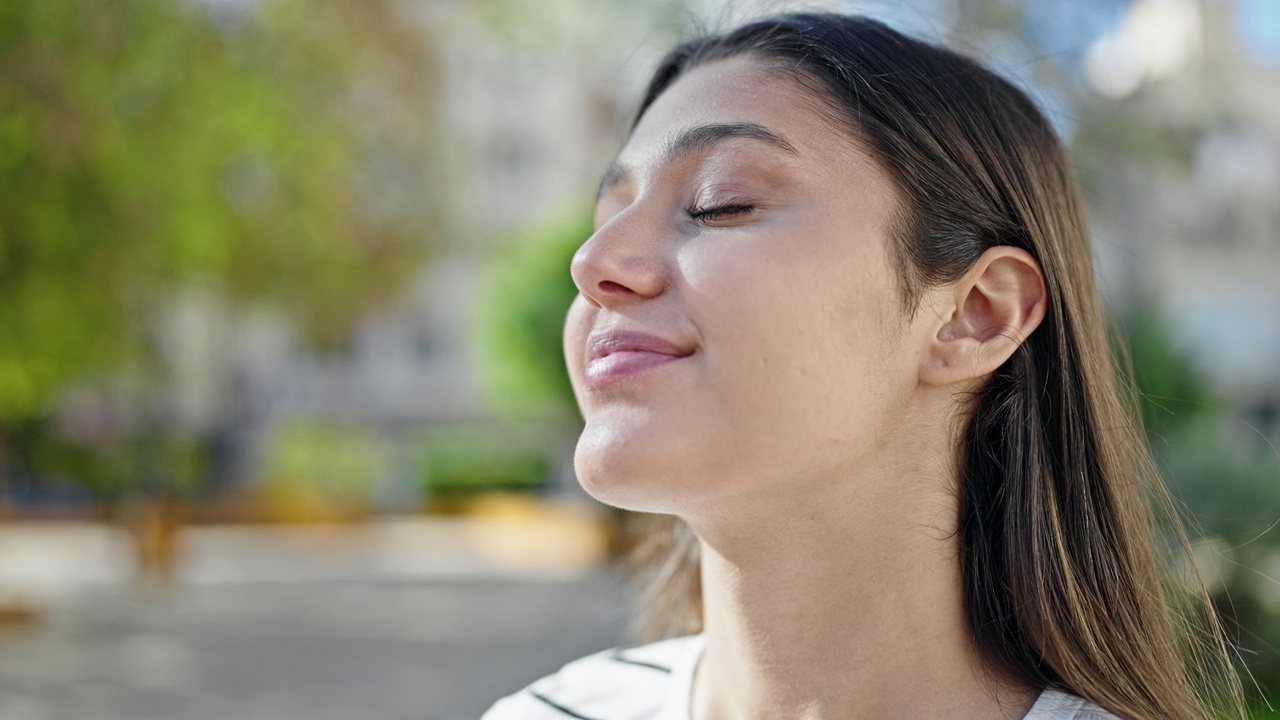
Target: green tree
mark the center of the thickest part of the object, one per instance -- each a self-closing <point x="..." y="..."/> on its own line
<point x="1227" y="477"/>
<point x="277" y="154"/>
<point x="527" y="294"/>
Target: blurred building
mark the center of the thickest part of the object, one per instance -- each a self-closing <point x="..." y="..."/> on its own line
<point x="1192" y="220"/>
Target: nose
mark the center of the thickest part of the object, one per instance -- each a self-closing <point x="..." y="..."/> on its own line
<point x="621" y="262"/>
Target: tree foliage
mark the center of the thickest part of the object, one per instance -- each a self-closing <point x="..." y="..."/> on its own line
<point x="527" y="295"/>
<point x="1227" y="476"/>
<point x="277" y="153"/>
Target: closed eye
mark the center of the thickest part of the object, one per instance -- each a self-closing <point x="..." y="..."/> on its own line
<point x="721" y="212"/>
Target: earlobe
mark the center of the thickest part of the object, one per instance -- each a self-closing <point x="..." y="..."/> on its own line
<point x="993" y="309"/>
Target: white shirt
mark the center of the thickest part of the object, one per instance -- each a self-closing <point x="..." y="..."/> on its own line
<point x="654" y="682"/>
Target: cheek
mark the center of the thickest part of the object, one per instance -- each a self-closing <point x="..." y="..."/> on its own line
<point x="793" y="308"/>
<point x="803" y="351"/>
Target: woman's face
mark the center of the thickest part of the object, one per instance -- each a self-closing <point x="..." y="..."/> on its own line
<point x="739" y="332"/>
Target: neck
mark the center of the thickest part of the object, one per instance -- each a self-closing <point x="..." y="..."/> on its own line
<point x="851" y="608"/>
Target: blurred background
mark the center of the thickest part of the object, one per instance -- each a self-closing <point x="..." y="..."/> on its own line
<point x="284" y="427"/>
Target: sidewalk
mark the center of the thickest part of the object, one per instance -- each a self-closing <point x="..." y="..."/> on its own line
<point x="422" y="618"/>
<point x="432" y="650"/>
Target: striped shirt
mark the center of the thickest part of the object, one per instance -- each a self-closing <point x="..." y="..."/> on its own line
<point x="654" y="682"/>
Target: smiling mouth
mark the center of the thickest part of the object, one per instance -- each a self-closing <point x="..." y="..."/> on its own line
<point x="625" y="365"/>
<point x="621" y="355"/>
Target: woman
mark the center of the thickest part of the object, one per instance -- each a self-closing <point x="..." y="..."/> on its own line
<point x="838" y="318"/>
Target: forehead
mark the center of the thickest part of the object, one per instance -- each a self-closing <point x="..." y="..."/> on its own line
<point x="742" y="90"/>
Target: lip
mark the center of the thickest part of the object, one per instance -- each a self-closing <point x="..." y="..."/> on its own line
<point x="619" y="355"/>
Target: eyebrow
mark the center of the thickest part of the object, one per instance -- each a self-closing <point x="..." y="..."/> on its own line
<point x="700" y="137"/>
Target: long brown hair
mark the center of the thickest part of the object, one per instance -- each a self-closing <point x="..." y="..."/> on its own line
<point x="1063" y="582"/>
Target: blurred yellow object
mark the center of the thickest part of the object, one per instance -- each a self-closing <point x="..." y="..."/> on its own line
<point x="17" y="614"/>
<point x="508" y="506"/>
<point x="155" y="524"/>
<point x="296" y="503"/>
<point x="520" y="532"/>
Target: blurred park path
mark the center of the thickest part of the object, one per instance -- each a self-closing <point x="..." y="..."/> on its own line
<point x="405" y="618"/>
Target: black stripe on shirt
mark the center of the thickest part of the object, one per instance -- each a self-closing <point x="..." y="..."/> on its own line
<point x="619" y="657"/>
<point x="557" y="706"/>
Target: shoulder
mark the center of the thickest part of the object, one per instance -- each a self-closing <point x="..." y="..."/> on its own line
<point x="1059" y="705"/>
<point x="626" y="683"/>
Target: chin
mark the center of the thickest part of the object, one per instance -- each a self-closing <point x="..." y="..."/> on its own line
<point x="637" y="466"/>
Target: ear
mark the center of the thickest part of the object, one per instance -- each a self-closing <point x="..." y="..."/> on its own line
<point x="985" y="316"/>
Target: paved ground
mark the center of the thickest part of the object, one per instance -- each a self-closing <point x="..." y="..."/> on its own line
<point x="342" y="646"/>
